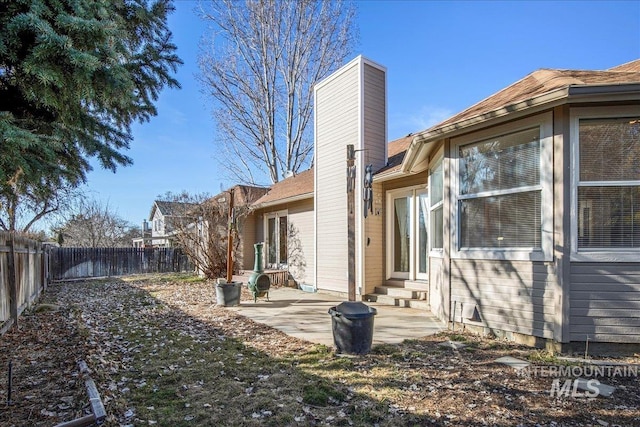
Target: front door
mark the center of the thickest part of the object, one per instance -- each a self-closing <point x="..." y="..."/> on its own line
<point x="407" y="236"/>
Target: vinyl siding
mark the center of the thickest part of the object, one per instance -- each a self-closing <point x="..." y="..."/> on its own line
<point x="301" y="248"/>
<point x="437" y="298"/>
<point x="374" y="118"/>
<point x="375" y="145"/>
<point x="301" y="256"/>
<point x="605" y="302"/>
<point x="513" y="296"/>
<point x="247" y="255"/>
<point x="374" y="243"/>
<point x="337" y="124"/>
<point x="350" y="109"/>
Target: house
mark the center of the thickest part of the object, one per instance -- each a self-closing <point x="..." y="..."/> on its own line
<point x="169" y="218"/>
<point x="519" y="216"/>
<point x="157" y="232"/>
<point x="283" y="220"/>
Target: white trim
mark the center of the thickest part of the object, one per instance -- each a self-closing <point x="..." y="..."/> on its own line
<point x="388" y="176"/>
<point x="545" y="253"/>
<point x="415" y="247"/>
<point x="438" y="159"/>
<point x="276" y="215"/>
<point x="411" y="193"/>
<point x="357" y="61"/>
<point x="391" y="196"/>
<point x="291" y="199"/>
<point x="595" y="255"/>
<point x="496" y="117"/>
<point x="359" y="238"/>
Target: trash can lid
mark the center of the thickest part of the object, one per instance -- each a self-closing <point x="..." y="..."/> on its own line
<point x="355" y="309"/>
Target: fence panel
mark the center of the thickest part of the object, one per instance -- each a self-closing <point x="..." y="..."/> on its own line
<point x="76" y="263"/>
<point x="26" y="281"/>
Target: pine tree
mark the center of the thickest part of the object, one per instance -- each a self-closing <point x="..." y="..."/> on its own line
<point x="74" y="76"/>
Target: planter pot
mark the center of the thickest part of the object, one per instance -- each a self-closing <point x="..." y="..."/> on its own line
<point x="228" y="294"/>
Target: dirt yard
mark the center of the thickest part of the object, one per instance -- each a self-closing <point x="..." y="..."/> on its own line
<point x="162" y="354"/>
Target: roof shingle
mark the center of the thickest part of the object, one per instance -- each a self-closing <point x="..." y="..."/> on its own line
<point x="396" y="151"/>
<point x="297" y="185"/>
<point x="544" y="81"/>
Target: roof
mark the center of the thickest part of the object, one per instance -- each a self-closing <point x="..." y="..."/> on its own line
<point x="169" y="208"/>
<point x="629" y="66"/>
<point x="242" y="194"/>
<point x="545" y="81"/>
<point x="539" y="88"/>
<point x="297" y="187"/>
<point x="396" y="151"/>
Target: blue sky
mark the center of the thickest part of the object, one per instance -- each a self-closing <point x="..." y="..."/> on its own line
<point x="441" y="57"/>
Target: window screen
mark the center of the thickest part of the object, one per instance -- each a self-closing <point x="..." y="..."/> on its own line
<point x="499" y="189"/>
<point x="609" y="187"/>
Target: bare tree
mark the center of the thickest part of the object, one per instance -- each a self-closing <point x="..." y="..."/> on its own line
<point x="197" y="227"/>
<point x="92" y="224"/>
<point x="259" y="65"/>
<point x="201" y="226"/>
<point x="22" y="206"/>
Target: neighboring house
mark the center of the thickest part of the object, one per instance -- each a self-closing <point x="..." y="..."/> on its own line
<point x="165" y="217"/>
<point x="162" y="219"/>
<point x="518" y="216"/>
<point x="143" y="241"/>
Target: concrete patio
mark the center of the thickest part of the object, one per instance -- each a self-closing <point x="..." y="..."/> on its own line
<point x="305" y="315"/>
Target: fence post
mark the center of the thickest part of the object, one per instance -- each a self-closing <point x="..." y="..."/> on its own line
<point x="13" y="282"/>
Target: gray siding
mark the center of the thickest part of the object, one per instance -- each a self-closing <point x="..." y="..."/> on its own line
<point x="605" y="302"/>
<point x="437" y="291"/>
<point x="511" y="296"/>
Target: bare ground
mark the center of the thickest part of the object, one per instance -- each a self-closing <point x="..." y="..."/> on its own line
<point x="163" y="354"/>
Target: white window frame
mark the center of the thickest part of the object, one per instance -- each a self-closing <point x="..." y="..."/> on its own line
<point x="411" y="193"/>
<point x="265" y="253"/>
<point x="439" y="158"/>
<point x="594" y="255"/>
<point x="545" y="252"/>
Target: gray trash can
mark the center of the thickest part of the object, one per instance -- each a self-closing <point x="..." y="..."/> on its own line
<point x="352" y="325"/>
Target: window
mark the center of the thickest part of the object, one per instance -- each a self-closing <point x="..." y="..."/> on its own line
<point x="606" y="191"/>
<point x="503" y="192"/>
<point x="436" y="185"/>
<point x="276" y="239"/>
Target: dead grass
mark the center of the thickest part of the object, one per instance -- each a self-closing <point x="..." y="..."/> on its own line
<point x="163" y="354"/>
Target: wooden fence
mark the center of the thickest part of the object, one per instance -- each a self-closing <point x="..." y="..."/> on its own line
<point x="23" y="269"/>
<point x="75" y="263"/>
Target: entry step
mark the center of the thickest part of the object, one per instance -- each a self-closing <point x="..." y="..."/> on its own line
<point x="400" y="297"/>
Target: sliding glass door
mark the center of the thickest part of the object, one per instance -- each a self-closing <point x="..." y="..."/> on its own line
<point x="407" y="234"/>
